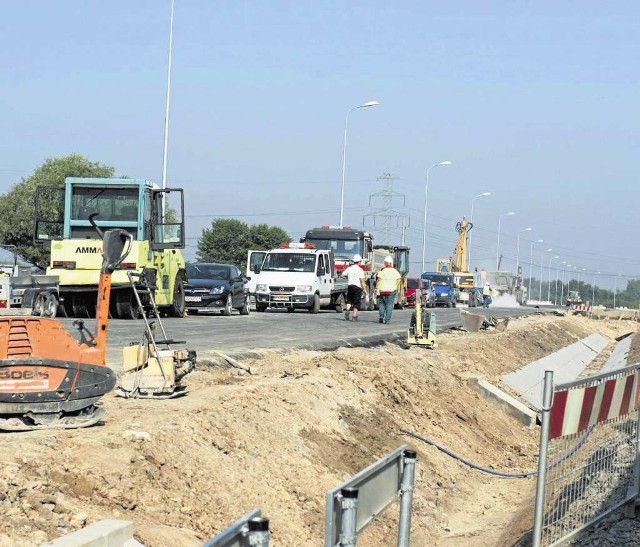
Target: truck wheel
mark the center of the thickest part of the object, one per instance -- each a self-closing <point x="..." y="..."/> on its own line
<point x="38" y="304"/>
<point x="79" y="305"/>
<point x="126" y="305"/>
<point x="178" y="304"/>
<point x="50" y="308"/>
<point x="316" y="304"/>
<point x="290" y="309"/>
<point x="260" y="307"/>
<point x="449" y="304"/>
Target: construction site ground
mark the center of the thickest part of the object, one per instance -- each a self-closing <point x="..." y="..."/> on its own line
<point x="278" y="437"/>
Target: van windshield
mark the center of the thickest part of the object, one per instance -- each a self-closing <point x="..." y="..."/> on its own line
<point x="441" y="280"/>
<point x="289" y="262"/>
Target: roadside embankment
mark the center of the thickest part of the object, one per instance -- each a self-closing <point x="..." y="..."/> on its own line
<point x="278" y="437"/>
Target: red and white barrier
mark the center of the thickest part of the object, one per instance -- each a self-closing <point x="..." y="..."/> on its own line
<point x="575" y="409"/>
<point x="580" y="307"/>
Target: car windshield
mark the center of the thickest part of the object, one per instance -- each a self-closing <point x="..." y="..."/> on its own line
<point x="208" y="271"/>
<point x="289" y="262"/>
<point x="412" y="283"/>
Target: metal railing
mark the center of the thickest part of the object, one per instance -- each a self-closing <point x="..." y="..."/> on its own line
<point x="352" y="505"/>
<point x="589" y="453"/>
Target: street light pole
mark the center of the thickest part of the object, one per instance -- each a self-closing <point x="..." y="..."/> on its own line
<point x="559" y="277"/>
<point x="344" y="152"/>
<point x="615" y="289"/>
<point x="426" y="196"/>
<point x="484" y="194"/>
<point x="549" y="287"/>
<point x="593" y="290"/>
<point x="541" y="271"/>
<point x="518" y="247"/>
<point x="510" y="214"/>
<point x="531" y="267"/>
<point x="166" y="113"/>
<point x="568" y="281"/>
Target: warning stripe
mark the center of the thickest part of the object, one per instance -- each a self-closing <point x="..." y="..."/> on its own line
<point x="577" y="307"/>
<point x="574" y="410"/>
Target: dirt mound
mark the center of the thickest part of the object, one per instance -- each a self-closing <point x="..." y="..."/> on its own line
<point x="281" y="437"/>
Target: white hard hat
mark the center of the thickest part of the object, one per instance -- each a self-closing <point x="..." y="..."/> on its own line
<point x="388" y="260"/>
<point x="357" y="258"/>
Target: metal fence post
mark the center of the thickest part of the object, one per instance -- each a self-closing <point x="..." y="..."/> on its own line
<point x="259" y="532"/>
<point x="406" y="497"/>
<point x="547" y="399"/>
<point x="630" y="509"/>
<point x="348" y="528"/>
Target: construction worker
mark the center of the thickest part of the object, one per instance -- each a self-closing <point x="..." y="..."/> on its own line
<point x="486" y="295"/>
<point x="356" y="287"/>
<point x="387" y="285"/>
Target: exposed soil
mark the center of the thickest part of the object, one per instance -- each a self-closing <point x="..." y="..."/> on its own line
<point x="279" y="438"/>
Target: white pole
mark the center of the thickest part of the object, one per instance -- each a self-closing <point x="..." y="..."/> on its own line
<point x="510" y="214"/>
<point x="166" y="114"/>
<point x="484" y="194"/>
<point x="531" y="266"/>
<point x="426" y="202"/>
<point x="518" y="247"/>
<point x="344" y="153"/>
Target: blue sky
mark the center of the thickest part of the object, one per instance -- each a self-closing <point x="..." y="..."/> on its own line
<point x="534" y="102"/>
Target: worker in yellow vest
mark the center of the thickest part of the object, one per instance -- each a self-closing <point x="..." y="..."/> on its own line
<point x="387" y="285"/>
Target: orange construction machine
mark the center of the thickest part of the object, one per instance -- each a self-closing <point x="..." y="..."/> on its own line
<point x="48" y="378"/>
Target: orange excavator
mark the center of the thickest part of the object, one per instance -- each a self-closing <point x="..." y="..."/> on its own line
<point x="48" y="378"/>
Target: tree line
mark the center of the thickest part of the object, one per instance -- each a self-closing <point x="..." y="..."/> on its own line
<point x="227" y="240"/>
<point x="627" y="297"/>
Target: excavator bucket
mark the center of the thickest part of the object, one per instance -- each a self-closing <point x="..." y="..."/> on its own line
<point x="48" y="378"/>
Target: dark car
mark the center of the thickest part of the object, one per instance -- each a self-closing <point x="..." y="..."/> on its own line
<point x="215" y="287"/>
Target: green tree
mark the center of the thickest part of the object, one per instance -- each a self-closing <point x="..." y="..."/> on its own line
<point x="228" y="240"/>
<point x="18" y="204"/>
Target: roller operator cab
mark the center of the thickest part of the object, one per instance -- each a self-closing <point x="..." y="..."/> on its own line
<point x="155" y="219"/>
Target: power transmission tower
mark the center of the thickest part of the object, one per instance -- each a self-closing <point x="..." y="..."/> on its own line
<point x="387" y="218"/>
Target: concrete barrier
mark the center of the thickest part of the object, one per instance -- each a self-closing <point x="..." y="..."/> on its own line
<point x="104" y="533"/>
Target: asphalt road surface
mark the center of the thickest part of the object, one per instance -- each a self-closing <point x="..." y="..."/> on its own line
<point x="276" y="329"/>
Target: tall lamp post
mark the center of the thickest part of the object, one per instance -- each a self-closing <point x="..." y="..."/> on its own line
<point x="531" y="266"/>
<point x="549" y="287"/>
<point x="165" y="146"/>
<point x="510" y="214"/>
<point x="541" y="271"/>
<point x="569" y="268"/>
<point x="615" y="289"/>
<point x="555" y="293"/>
<point x="344" y="152"/>
<point x="518" y="247"/>
<point x="483" y="195"/>
<point x="426" y="196"/>
<point x="593" y="290"/>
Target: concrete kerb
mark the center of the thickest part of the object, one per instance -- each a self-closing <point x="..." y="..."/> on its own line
<point x="512" y="406"/>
